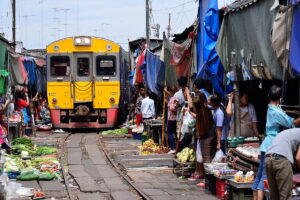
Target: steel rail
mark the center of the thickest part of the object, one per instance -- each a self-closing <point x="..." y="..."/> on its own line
<point x="141" y="193"/>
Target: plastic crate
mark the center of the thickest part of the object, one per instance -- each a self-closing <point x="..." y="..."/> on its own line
<point x="221" y="187"/>
<point x="220" y="194"/>
<point x="13" y="175"/>
<point x="137" y="136"/>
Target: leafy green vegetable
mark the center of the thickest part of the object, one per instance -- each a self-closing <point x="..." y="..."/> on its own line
<point x="25" y="141"/>
<point x="45" y="150"/>
<point x="22" y="147"/>
<point x="116" y="131"/>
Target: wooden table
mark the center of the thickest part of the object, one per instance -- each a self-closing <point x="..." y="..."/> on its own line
<point x="153" y="126"/>
<point x="14" y="130"/>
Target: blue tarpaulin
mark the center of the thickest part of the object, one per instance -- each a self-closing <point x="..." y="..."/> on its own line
<point x="211" y="68"/>
<point x="295" y="42"/>
<point x="30" y="67"/>
<point x="153" y="71"/>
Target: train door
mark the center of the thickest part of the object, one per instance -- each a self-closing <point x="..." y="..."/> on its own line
<point x="83" y="77"/>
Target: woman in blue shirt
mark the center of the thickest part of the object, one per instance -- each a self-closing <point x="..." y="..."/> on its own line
<point x="276" y="120"/>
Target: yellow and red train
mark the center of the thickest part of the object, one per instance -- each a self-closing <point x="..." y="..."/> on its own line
<point x="87" y="79"/>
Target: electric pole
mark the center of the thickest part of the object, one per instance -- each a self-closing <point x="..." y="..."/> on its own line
<point x="147" y="23"/>
<point x="14" y="23"/>
<point x="169" y="26"/>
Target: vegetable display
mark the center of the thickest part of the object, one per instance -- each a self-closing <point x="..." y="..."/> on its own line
<point x="149" y="147"/>
<point x="116" y="131"/>
<point x="33" y="163"/>
<point x="25" y="141"/>
<point x="45" y="150"/>
<point x="186" y="155"/>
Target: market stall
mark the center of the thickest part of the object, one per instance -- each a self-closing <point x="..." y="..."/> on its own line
<point x="28" y="162"/>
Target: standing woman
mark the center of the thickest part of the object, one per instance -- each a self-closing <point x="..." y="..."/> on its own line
<point x="22" y="102"/>
<point x="276" y="120"/>
<point x="205" y="132"/>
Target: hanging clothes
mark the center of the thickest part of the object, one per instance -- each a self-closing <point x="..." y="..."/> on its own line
<point x="138" y="76"/>
<point x="165" y="56"/>
<point x="212" y="68"/>
<point x="154" y="73"/>
<point x="281" y="34"/>
<point x="295" y="42"/>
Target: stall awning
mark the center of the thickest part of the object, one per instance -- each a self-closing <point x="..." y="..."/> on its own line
<point x="248" y="27"/>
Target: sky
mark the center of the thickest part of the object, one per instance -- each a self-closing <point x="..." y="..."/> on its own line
<point x="40" y="22"/>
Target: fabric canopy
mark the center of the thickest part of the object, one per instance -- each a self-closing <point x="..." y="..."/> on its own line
<point x="212" y="68"/>
<point x="245" y="30"/>
<point x="154" y="73"/>
<point x="295" y="42"/>
<point x="18" y="74"/>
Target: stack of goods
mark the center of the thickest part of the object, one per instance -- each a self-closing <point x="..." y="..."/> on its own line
<point x="239" y="177"/>
<point x="149" y="147"/>
<point x="32" y="163"/>
<point x="186" y="155"/>
<point x="14" y="118"/>
<point x="225" y="172"/>
<point x="121" y="131"/>
<point x="244" y="158"/>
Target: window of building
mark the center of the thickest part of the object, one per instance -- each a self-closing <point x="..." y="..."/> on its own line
<point x="83" y="66"/>
<point x="60" y="65"/>
<point x="106" y="65"/>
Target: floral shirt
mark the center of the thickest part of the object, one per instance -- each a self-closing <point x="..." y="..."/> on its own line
<point x="172" y="110"/>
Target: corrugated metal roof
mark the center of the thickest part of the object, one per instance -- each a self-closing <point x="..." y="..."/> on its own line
<point x="239" y="5"/>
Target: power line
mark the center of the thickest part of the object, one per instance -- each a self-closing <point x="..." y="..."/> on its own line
<point x="164" y="9"/>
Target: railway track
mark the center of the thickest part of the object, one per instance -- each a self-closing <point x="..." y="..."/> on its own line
<point x="105" y="180"/>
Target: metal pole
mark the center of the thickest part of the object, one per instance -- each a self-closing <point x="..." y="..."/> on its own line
<point x="147" y="23"/>
<point x="14" y="23"/>
<point x="237" y="121"/>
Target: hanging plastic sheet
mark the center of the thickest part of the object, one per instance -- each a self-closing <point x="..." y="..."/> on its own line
<point x="18" y="74"/>
<point x="154" y="73"/>
<point x="30" y="67"/>
<point x="41" y="81"/>
<point x="138" y="76"/>
<point x="165" y="56"/>
<point x="212" y="68"/>
<point x="295" y="42"/>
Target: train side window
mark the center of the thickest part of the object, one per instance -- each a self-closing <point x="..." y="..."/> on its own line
<point x="60" y="66"/>
<point x="83" y="66"/>
<point x="106" y="65"/>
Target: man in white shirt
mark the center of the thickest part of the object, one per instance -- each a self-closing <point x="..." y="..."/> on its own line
<point x="147" y="107"/>
<point x="182" y="81"/>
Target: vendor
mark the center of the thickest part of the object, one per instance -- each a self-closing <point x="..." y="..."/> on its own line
<point x="147" y="107"/>
<point x="200" y="86"/>
<point x="3" y="130"/>
<point x="138" y="104"/>
<point x="280" y="158"/>
<point x="248" y="117"/>
<point x="276" y="120"/>
<point x="22" y="102"/>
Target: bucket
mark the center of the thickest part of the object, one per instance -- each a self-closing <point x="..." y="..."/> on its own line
<point x="137" y="136"/>
<point x="28" y="132"/>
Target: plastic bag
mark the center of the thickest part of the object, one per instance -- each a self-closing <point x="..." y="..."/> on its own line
<point x="187" y="123"/>
<point x="218" y="157"/>
<point x="199" y="153"/>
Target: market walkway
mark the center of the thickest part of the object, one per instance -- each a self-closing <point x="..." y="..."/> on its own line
<point x="152" y="173"/>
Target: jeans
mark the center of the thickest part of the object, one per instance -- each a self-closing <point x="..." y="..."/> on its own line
<point x="171" y="133"/>
<point x="224" y="146"/>
<point x="261" y="174"/>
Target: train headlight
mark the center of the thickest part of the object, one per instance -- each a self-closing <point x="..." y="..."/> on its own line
<point x="54" y="101"/>
<point x="82" y="41"/>
<point x="112" y="100"/>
